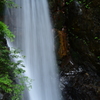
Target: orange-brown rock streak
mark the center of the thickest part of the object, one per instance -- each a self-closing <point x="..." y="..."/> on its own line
<point x="63" y="44"/>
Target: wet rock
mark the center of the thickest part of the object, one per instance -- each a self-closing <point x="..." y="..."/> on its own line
<point x="80" y="84"/>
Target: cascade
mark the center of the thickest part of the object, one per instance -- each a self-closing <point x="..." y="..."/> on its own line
<point x="30" y="23"/>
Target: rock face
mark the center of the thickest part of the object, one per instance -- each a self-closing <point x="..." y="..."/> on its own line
<point x="84" y="34"/>
<point x="78" y="83"/>
<point x="80" y="20"/>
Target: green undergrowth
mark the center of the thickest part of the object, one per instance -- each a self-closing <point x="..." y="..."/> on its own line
<point x="9" y="3"/>
<point x="12" y="80"/>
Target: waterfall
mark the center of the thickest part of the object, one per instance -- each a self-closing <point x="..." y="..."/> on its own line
<point x="30" y="23"/>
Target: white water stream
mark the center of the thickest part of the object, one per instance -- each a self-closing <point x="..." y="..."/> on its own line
<point x="32" y="27"/>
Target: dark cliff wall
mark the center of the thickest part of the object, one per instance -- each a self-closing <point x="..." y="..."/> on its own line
<point x="78" y="22"/>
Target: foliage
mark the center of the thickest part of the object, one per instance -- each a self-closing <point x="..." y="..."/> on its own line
<point x="9" y="3"/>
<point x="82" y="2"/>
<point x="5" y="31"/>
<point x="12" y="80"/>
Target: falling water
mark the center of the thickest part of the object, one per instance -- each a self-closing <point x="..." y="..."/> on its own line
<point x="30" y="23"/>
